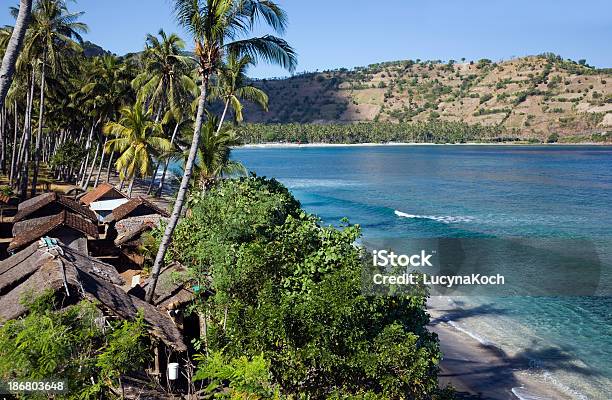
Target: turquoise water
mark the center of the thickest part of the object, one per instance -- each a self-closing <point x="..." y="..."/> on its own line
<point x="407" y="192"/>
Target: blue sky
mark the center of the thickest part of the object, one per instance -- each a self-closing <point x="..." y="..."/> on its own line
<point x="347" y="33"/>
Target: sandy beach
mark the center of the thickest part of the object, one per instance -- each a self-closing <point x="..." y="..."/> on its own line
<point x="480" y="370"/>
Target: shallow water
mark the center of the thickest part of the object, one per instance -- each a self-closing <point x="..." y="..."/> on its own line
<point x="401" y="193"/>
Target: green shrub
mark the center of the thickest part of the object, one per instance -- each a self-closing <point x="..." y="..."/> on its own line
<point x="485" y="97"/>
<point x="68" y="344"/>
<point x="553" y="138"/>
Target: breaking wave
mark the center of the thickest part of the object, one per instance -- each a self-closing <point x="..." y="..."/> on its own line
<point x="445" y="219"/>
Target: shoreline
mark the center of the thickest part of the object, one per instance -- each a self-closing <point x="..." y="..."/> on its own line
<point x="280" y="145"/>
<point x="478" y="369"/>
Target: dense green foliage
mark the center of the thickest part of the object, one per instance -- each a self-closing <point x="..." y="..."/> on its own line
<point x="70" y="345"/>
<point x="370" y="132"/>
<point x="289" y="289"/>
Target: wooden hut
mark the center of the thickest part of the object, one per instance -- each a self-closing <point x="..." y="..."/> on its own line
<point x="52" y="203"/>
<point x="71" y="229"/>
<point x="74" y="276"/>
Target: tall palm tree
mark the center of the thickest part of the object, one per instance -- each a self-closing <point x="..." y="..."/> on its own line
<point x="233" y="86"/>
<point x="13" y="48"/>
<point x="214" y="26"/>
<point x="51" y="33"/>
<point x="166" y="81"/>
<point x="137" y="138"/>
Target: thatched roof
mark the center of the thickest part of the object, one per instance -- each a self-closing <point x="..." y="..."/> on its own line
<point x="104" y="191"/>
<point x="31" y="206"/>
<point x="29" y="231"/>
<point x="22" y="265"/>
<point x="76" y="276"/>
<point x="129" y="230"/>
<point x="137" y="206"/>
<point x="173" y="289"/>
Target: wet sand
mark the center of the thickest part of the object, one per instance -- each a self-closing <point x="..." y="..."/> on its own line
<point x="480" y="370"/>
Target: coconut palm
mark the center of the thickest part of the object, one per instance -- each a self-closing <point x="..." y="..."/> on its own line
<point x="214" y="26"/>
<point x="13" y="47"/>
<point x="50" y="34"/>
<point x="233" y="86"/>
<point x="213" y="158"/>
<point x="107" y="90"/>
<point x="138" y="139"/>
<point x="166" y="81"/>
<point x="181" y="122"/>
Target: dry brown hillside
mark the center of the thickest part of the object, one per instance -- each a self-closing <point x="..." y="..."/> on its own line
<point x="529" y="96"/>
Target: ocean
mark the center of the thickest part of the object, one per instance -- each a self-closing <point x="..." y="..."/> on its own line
<point x="399" y="194"/>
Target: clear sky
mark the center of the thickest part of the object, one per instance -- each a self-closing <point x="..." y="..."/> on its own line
<point x="348" y="33"/>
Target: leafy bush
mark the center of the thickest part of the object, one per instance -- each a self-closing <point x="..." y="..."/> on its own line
<point x="68" y="344"/>
<point x="485" y="97"/>
<point x="553" y="138"/>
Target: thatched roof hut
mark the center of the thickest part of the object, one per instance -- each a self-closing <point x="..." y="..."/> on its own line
<point x="129" y="230"/>
<point x="51" y="203"/>
<point x="76" y="276"/>
<point x="173" y="288"/>
<point x="136" y="207"/>
<point x="71" y="228"/>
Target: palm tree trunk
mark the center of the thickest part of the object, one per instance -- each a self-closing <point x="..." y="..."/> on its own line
<point x="163" y="177"/>
<point x="88" y="148"/>
<point x="41" y="111"/>
<point x="110" y="162"/>
<point x="101" y="162"/>
<point x="3" y="129"/>
<point x="153" y="178"/>
<point x="223" y="115"/>
<point x="93" y="165"/>
<point x="12" y="49"/>
<point x="157" y="116"/>
<point x="122" y="180"/>
<point x="181" y="195"/>
<point x="14" y="154"/>
<point x="131" y="186"/>
<point x="26" y="144"/>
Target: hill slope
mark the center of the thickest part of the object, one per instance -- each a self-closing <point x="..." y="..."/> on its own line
<point x="529" y="97"/>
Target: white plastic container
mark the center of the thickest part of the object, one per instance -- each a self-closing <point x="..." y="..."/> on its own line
<point x="173" y="371"/>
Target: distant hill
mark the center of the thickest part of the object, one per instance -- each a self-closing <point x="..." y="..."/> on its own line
<point x="529" y="97"/>
<point x="93" y="50"/>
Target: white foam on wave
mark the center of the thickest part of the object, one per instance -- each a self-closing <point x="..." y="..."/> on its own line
<point x="297" y="183"/>
<point x="445" y="219"/>
<point x="522" y="394"/>
<point x="471" y="334"/>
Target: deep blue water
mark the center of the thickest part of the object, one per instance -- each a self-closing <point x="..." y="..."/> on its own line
<point x="407" y="192"/>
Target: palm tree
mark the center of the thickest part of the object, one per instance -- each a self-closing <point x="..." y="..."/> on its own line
<point x="51" y="32"/>
<point x="13" y="48"/>
<point x="137" y="138"/>
<point x="213" y="158"/>
<point x="233" y="86"/>
<point x="180" y="122"/>
<point x="166" y="81"/>
<point x="214" y="25"/>
<point x="106" y="91"/>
